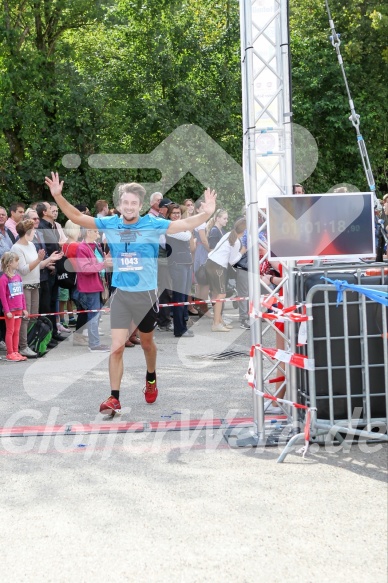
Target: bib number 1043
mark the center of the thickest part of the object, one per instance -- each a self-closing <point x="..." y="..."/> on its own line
<point x="129" y="262"/>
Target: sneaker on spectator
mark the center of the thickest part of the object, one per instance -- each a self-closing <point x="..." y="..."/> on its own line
<point x="79" y="340"/>
<point x="13" y="357"/>
<point x="72" y="322"/>
<point x="186" y="334"/>
<point x="2" y="345"/>
<point x="99" y="348"/>
<point x="227" y="320"/>
<point x="111" y="405"/>
<point x="62" y="329"/>
<point x="227" y="325"/>
<point x="20" y="356"/>
<point x="168" y="328"/>
<point x="220" y="328"/>
<point x="245" y="325"/>
<point x="28" y="352"/>
<point x="150" y="392"/>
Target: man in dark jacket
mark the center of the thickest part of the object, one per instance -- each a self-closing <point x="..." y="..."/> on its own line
<point x="48" y="238"/>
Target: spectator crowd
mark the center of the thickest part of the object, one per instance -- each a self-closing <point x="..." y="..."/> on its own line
<point x="65" y="271"/>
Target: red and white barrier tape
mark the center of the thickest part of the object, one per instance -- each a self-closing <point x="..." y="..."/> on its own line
<point x="197" y="302"/>
<point x="292" y="358"/>
<point x="282" y="314"/>
<point x="107" y="310"/>
<point x="250" y="376"/>
<point x="169" y="305"/>
<point x="72" y="313"/>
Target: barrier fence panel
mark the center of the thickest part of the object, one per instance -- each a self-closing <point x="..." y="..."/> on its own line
<point x="348" y="341"/>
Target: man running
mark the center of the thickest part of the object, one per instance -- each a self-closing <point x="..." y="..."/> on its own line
<point x="133" y="243"/>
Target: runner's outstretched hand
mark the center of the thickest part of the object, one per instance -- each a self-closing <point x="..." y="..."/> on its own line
<point x="54" y="184"/>
<point x="209" y="203"/>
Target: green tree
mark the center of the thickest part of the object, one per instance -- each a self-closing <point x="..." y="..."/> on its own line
<point x="36" y="86"/>
<point x="320" y="99"/>
<point x="112" y="77"/>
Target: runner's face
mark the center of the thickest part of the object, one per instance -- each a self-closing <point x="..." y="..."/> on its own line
<point x="130" y="207"/>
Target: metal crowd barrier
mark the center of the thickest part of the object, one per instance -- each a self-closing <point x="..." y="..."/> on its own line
<point x="349" y="343"/>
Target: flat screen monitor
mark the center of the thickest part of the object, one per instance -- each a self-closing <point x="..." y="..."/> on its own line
<point x="330" y="225"/>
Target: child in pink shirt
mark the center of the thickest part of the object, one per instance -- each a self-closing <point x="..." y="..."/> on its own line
<point x="13" y="302"/>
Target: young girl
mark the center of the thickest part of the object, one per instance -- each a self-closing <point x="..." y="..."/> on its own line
<point x="215" y="228"/>
<point x="13" y="302"/>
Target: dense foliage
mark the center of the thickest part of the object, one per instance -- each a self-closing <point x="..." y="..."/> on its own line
<point x="89" y="77"/>
<point x="320" y="100"/>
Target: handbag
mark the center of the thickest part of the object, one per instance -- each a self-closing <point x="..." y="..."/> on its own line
<point x="65" y="274"/>
<point x="201" y="275"/>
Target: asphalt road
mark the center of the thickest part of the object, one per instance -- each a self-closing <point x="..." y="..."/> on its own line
<point x="182" y="505"/>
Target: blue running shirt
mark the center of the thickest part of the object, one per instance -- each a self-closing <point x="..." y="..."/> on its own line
<point x="134" y="249"/>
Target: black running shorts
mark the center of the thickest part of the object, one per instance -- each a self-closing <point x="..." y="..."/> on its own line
<point x="141" y="307"/>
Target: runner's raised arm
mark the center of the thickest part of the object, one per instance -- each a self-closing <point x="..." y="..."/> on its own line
<point x="68" y="209"/>
<point x="207" y="209"/>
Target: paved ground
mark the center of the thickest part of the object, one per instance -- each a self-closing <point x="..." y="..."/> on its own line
<point x="180" y="506"/>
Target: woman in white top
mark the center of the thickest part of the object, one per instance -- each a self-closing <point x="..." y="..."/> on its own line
<point x="227" y="252"/>
<point x="31" y="262"/>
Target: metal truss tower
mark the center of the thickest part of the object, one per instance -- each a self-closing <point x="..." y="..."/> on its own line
<point x="268" y="169"/>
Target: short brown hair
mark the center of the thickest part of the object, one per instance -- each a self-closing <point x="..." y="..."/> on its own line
<point x="24" y="226"/>
<point x="101" y="204"/>
<point x="132" y="188"/>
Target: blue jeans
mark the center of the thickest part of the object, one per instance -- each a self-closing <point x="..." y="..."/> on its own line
<point x="181" y="284"/>
<point x="93" y="302"/>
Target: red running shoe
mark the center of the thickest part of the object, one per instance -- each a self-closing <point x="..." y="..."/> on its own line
<point x="13" y="357"/>
<point x="20" y="356"/>
<point x="150" y="392"/>
<point x="111" y="405"/>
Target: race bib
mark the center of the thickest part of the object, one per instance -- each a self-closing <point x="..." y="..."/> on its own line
<point x="15" y="288"/>
<point x="130" y="261"/>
